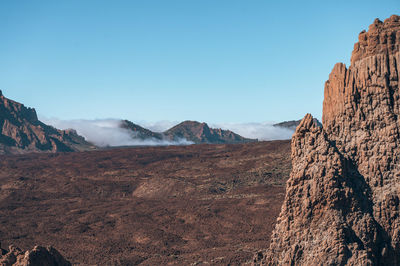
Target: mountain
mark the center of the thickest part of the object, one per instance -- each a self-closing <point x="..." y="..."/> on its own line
<point x="342" y="198"/>
<point x="21" y="131"/>
<point x="202" y="133"/>
<point x="292" y="124"/>
<point x="191" y="131"/>
<point x="140" y="132"/>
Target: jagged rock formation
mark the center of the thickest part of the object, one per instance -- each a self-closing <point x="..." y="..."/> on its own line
<point x="342" y="199"/>
<point x="21" y="131"/>
<point x="202" y="133"/>
<point x="38" y="256"/>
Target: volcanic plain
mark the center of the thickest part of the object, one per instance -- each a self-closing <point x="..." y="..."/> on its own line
<point x="191" y="205"/>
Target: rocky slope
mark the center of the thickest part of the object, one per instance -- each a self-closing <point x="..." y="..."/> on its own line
<point x="21" y="131"/>
<point x="38" y="256"/>
<point x="140" y="132"/>
<point x="202" y="133"/>
<point x="342" y="199"/>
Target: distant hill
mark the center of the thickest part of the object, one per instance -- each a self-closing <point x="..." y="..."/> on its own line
<point x="201" y="133"/>
<point x="293" y="124"/>
<point x="21" y="131"/>
<point x="140" y="132"/>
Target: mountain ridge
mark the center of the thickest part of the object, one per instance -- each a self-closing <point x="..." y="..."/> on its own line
<point x="192" y="131"/>
<point x="21" y="131"/>
<point x="201" y="133"/>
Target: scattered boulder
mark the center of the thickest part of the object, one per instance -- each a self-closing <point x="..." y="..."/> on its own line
<point x="38" y="256"/>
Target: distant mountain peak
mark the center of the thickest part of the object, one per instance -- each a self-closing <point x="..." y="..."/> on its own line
<point x="22" y="131"/>
<point x="189" y="130"/>
<point x="200" y="132"/>
<point x="139" y="132"/>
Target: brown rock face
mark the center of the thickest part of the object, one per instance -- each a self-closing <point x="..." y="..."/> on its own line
<point x="38" y="256"/>
<point x="381" y="38"/>
<point x="342" y="199"/>
<point x="21" y="131"/>
<point x="202" y="133"/>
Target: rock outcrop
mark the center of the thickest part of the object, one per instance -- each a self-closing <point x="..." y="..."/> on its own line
<point x="202" y="133"/>
<point x="38" y="256"/>
<point x="21" y="131"/>
<point x="342" y="199"/>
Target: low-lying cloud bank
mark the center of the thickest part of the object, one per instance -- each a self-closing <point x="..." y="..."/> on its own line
<point x="260" y="131"/>
<point x="107" y="132"/>
<point x="158" y="126"/>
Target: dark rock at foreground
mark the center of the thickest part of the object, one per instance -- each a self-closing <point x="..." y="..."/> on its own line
<point x="38" y="256"/>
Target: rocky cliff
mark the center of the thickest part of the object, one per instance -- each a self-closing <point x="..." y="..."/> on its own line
<point x="342" y="198"/>
<point x="21" y="131"/>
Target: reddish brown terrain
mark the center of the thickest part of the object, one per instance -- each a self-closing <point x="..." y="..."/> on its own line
<point x="195" y="204"/>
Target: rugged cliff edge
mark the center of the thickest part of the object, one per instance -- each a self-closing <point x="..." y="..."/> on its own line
<point x="21" y="131"/>
<point x="342" y="198"/>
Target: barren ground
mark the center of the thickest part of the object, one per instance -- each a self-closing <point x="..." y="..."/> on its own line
<point x="198" y="204"/>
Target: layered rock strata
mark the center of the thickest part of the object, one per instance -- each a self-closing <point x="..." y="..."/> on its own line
<point x="342" y="198"/>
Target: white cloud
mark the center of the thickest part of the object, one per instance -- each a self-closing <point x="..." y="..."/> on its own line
<point x="107" y="132"/>
<point x="260" y="131"/>
<point x="159" y="126"/>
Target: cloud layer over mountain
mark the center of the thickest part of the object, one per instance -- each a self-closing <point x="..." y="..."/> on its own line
<point x="107" y="132"/>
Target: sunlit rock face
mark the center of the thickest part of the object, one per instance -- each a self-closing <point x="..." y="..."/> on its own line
<point x="21" y="131"/>
<point x="342" y="199"/>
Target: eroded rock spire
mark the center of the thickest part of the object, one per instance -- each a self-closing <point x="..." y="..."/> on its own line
<point x="342" y="198"/>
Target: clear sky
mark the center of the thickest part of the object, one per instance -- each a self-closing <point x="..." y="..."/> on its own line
<point x="209" y="60"/>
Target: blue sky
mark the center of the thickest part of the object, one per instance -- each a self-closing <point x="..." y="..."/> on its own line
<point x="210" y="60"/>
